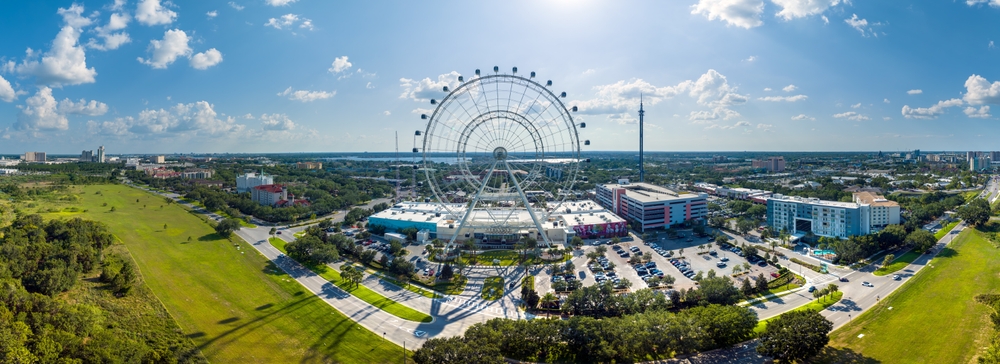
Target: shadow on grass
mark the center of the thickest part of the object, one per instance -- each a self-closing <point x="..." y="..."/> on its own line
<point x="842" y="355"/>
<point x="947" y="252"/>
<point x="264" y="307"/>
<point x="229" y="320"/>
<point x="210" y="237"/>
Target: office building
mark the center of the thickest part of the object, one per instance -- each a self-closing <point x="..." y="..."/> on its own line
<point x="650" y="206"/>
<point x="585" y="219"/>
<point x="248" y="181"/>
<point x="268" y="194"/>
<point x="881" y="211"/>
<point x="100" y="155"/>
<point x="868" y="213"/>
<point x="197" y="173"/>
<point x="771" y="164"/>
<point x="309" y="165"/>
<point x="87" y="156"/>
<point x="159" y="159"/>
<point x="34" y="157"/>
<point x="978" y="163"/>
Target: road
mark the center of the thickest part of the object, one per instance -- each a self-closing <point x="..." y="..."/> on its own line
<point x="454" y="314"/>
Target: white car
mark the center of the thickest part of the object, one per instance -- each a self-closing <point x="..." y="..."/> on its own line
<point x="866" y="284"/>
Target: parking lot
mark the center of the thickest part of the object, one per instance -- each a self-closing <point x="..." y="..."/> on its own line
<point x="614" y="265"/>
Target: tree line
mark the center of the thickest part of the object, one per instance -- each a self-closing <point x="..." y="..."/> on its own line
<point x="655" y="334"/>
<point x="39" y="261"/>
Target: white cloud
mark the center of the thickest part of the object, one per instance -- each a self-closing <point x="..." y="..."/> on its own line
<point x="42" y="112"/>
<point x="711" y="89"/>
<point x="340" y="64"/>
<point x="886" y="118"/>
<point x="802" y="117"/>
<point x="248" y="116"/>
<point x="236" y="6"/>
<point x="112" y="39"/>
<point x="740" y="13"/>
<point x="369" y="86"/>
<point x="991" y="45"/>
<point x="982" y="112"/>
<point x="860" y="25"/>
<point x="206" y="59"/>
<point x="765" y="127"/>
<point x="306" y="96"/>
<point x="783" y="98"/>
<point x="589" y="71"/>
<point x="851" y="115"/>
<point x="929" y="112"/>
<point x="792" y="9"/>
<point x="73" y="16"/>
<point x="427" y="89"/>
<point x="855" y="106"/>
<point x="980" y="91"/>
<point x="118" y="5"/>
<point x="151" y="12"/>
<point x="83" y="107"/>
<point x="885" y="101"/>
<point x="64" y="64"/>
<point x="212" y="14"/>
<point x="825" y="19"/>
<point x="750" y="59"/>
<point x="279" y="2"/>
<point x="277" y="122"/>
<point x="166" y="51"/>
<point x="789" y="88"/>
<point x="726" y="127"/>
<point x="993" y="3"/>
<point x="6" y="91"/>
<point x="287" y="21"/>
<point x="914" y="92"/>
<point x="767" y="89"/>
<point x="198" y="118"/>
<point x="386" y="113"/>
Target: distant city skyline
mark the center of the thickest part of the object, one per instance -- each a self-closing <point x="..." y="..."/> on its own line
<point x="271" y="76"/>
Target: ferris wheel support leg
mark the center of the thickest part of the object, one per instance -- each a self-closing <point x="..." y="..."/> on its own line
<point x="527" y="206"/>
<point x="468" y="211"/>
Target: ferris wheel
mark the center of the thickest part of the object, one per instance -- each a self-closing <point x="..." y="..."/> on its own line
<point x="502" y="152"/>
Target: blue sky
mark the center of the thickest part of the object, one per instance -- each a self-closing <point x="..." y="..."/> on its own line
<point x="153" y="76"/>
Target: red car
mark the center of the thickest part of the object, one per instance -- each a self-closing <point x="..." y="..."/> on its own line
<point x="775" y="275"/>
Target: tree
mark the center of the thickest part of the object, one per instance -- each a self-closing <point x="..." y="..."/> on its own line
<point x="747" y="287"/>
<point x="722" y="239"/>
<point x="310" y="250"/>
<point x="698" y="229"/>
<point x="395" y="247"/>
<point x="795" y="336"/>
<point x="737" y="269"/>
<point x="530" y="298"/>
<point x="226" y="227"/>
<point x="272" y="231"/>
<point x="447" y="272"/>
<point x="743" y="226"/>
<point x="326" y="224"/>
<point x="367" y="256"/>
<point x="976" y="212"/>
<point x="615" y="240"/>
<point x="888" y="260"/>
<point x="549" y="300"/>
<point x="719" y="290"/>
<point x="577" y="241"/>
<point x="457" y="350"/>
<point x="922" y="240"/>
<point x="761" y="282"/>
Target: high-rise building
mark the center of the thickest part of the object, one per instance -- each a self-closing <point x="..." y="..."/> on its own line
<point x="34" y="156"/>
<point x="800" y="215"/>
<point x="248" y="181"/>
<point x="771" y="164"/>
<point x="159" y="159"/>
<point x="100" y="154"/>
<point x="87" y="156"/>
<point x="978" y="163"/>
<point x="651" y="206"/>
<point x="995" y="156"/>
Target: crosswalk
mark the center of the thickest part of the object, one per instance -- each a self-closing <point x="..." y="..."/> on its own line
<point x="469" y="305"/>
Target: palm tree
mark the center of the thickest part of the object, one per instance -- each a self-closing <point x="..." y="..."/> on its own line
<point x="746" y="266"/>
<point x="548" y="299"/>
<point x="737" y="269"/>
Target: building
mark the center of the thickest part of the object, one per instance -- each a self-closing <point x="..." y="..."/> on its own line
<point x="269" y="194"/>
<point x="159" y="159"/>
<point x="163" y="173"/>
<point x="132" y="162"/>
<point x="4" y="162"/>
<point x="979" y="163"/>
<point x="650" y="206"/>
<point x="100" y="155"/>
<point x="87" y="156"/>
<point x="197" y="173"/>
<point x="584" y="218"/>
<point x="881" y="212"/>
<point x="34" y="157"/>
<point x="248" y="181"/>
<point x="869" y="213"/>
<point x="309" y="165"/>
<point x="771" y="164"/>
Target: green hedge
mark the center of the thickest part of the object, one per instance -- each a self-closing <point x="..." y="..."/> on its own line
<point x="807" y="265"/>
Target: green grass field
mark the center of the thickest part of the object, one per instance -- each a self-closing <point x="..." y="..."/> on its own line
<point x="234" y="304"/>
<point x="364" y="293"/>
<point x="944" y="231"/>
<point x="492" y="288"/>
<point x="817" y="305"/>
<point x="934" y="318"/>
<point x="897" y="264"/>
